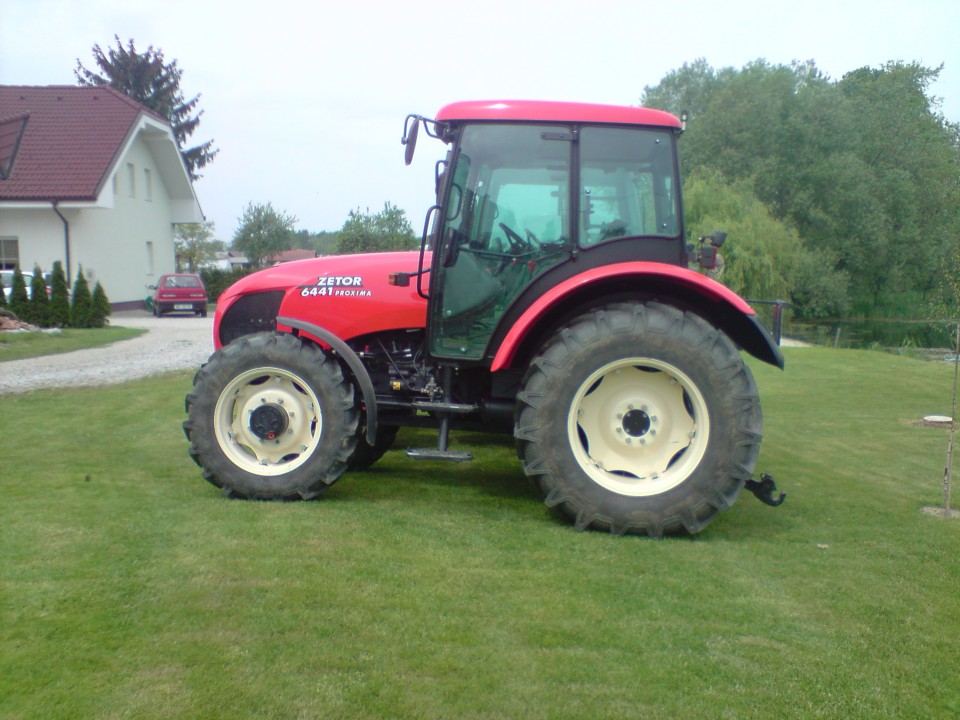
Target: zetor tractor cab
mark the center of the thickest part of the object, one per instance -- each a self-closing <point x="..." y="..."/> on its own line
<point x="550" y="299"/>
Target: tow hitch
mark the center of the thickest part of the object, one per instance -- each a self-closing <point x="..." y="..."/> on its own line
<point x="764" y="490"/>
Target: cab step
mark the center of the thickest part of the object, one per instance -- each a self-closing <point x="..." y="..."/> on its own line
<point x="437" y="454"/>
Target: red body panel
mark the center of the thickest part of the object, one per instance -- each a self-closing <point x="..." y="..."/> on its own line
<point x="690" y="280"/>
<point x="543" y="111"/>
<point x="346" y="294"/>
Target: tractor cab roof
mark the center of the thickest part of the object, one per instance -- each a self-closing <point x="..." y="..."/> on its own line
<point x="545" y="111"/>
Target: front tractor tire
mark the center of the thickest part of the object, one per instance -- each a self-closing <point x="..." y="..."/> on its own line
<point x="639" y="418"/>
<point x="271" y="417"/>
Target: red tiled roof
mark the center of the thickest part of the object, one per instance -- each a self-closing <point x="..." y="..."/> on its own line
<point x="69" y="141"/>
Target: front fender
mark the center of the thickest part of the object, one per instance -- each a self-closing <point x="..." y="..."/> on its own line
<point x="727" y="310"/>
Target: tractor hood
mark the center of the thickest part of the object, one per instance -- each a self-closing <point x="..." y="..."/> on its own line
<point x="348" y="295"/>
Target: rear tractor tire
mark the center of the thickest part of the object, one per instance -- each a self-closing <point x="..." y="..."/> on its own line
<point x="639" y="418"/>
<point x="271" y="417"/>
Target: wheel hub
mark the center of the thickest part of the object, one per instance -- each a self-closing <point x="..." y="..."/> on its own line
<point x="636" y="423"/>
<point x="268" y="421"/>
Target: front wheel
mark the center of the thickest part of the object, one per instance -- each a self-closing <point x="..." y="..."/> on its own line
<point x="271" y="417"/>
<point x="639" y="418"/>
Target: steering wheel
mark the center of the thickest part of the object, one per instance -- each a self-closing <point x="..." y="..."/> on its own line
<point x="517" y="243"/>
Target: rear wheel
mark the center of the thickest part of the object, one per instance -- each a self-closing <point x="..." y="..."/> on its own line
<point x="271" y="417"/>
<point x="639" y="419"/>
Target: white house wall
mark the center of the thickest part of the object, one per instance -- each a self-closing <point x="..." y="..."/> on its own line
<point x="126" y="247"/>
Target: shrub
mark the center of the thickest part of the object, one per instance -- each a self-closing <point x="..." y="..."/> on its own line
<point x="216" y="280"/>
<point x="37" y="310"/>
<point x="59" y="297"/>
<point x="18" y="293"/>
<point x="101" y="306"/>
<point x="81" y="305"/>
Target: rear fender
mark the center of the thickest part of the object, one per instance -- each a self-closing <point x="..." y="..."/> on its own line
<point x="668" y="283"/>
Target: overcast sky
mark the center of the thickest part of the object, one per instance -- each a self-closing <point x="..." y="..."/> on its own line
<point x="306" y="100"/>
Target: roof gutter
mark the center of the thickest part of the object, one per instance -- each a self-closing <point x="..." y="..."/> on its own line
<point x="66" y="236"/>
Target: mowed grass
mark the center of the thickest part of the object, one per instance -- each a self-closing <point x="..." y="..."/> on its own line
<point x="19" y="345"/>
<point x="130" y="588"/>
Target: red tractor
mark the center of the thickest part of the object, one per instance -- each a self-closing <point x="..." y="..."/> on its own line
<point x="551" y="298"/>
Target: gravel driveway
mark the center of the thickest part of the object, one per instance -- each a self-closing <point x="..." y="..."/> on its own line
<point x="172" y="343"/>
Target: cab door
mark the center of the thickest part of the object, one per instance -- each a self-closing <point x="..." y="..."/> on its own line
<point x="506" y="221"/>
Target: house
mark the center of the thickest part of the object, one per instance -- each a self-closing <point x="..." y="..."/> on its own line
<point x="228" y="260"/>
<point x="91" y="178"/>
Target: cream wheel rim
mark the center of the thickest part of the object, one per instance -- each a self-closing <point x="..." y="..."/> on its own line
<point x="638" y="426"/>
<point x="267" y="421"/>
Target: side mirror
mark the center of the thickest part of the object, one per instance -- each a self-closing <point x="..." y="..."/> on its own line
<point x="717" y="238"/>
<point x="409" y="138"/>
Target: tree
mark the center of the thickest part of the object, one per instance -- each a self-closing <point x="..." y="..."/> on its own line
<point x="18" y="293"/>
<point x="691" y="88"/>
<point x="3" y="295"/>
<point x="765" y="258"/>
<point x="263" y="232"/>
<point x="155" y="84"/>
<point x="59" y="297"/>
<point x="100" y="308"/>
<point x="864" y="169"/>
<point x="386" y="230"/>
<point x="323" y="242"/>
<point x="81" y="305"/>
<point x="195" y="245"/>
<point x="37" y="310"/>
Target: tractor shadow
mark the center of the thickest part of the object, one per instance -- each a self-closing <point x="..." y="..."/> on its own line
<point x="494" y="470"/>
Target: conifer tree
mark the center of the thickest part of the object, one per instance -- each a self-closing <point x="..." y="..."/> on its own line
<point x="81" y="305"/>
<point x="59" y="297"/>
<point x="18" y="293"/>
<point x="101" y="307"/>
<point x="38" y="307"/>
<point x="154" y="83"/>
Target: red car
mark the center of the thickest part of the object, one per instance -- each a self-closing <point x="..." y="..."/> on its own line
<point x="181" y="292"/>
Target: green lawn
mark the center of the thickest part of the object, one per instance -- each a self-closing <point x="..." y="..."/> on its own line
<point x="19" y="345"/>
<point x="129" y="588"/>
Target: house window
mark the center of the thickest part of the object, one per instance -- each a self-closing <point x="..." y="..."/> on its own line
<point x="150" y="258"/>
<point x="9" y="253"/>
<point x="132" y="177"/>
<point x="147" y="185"/>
